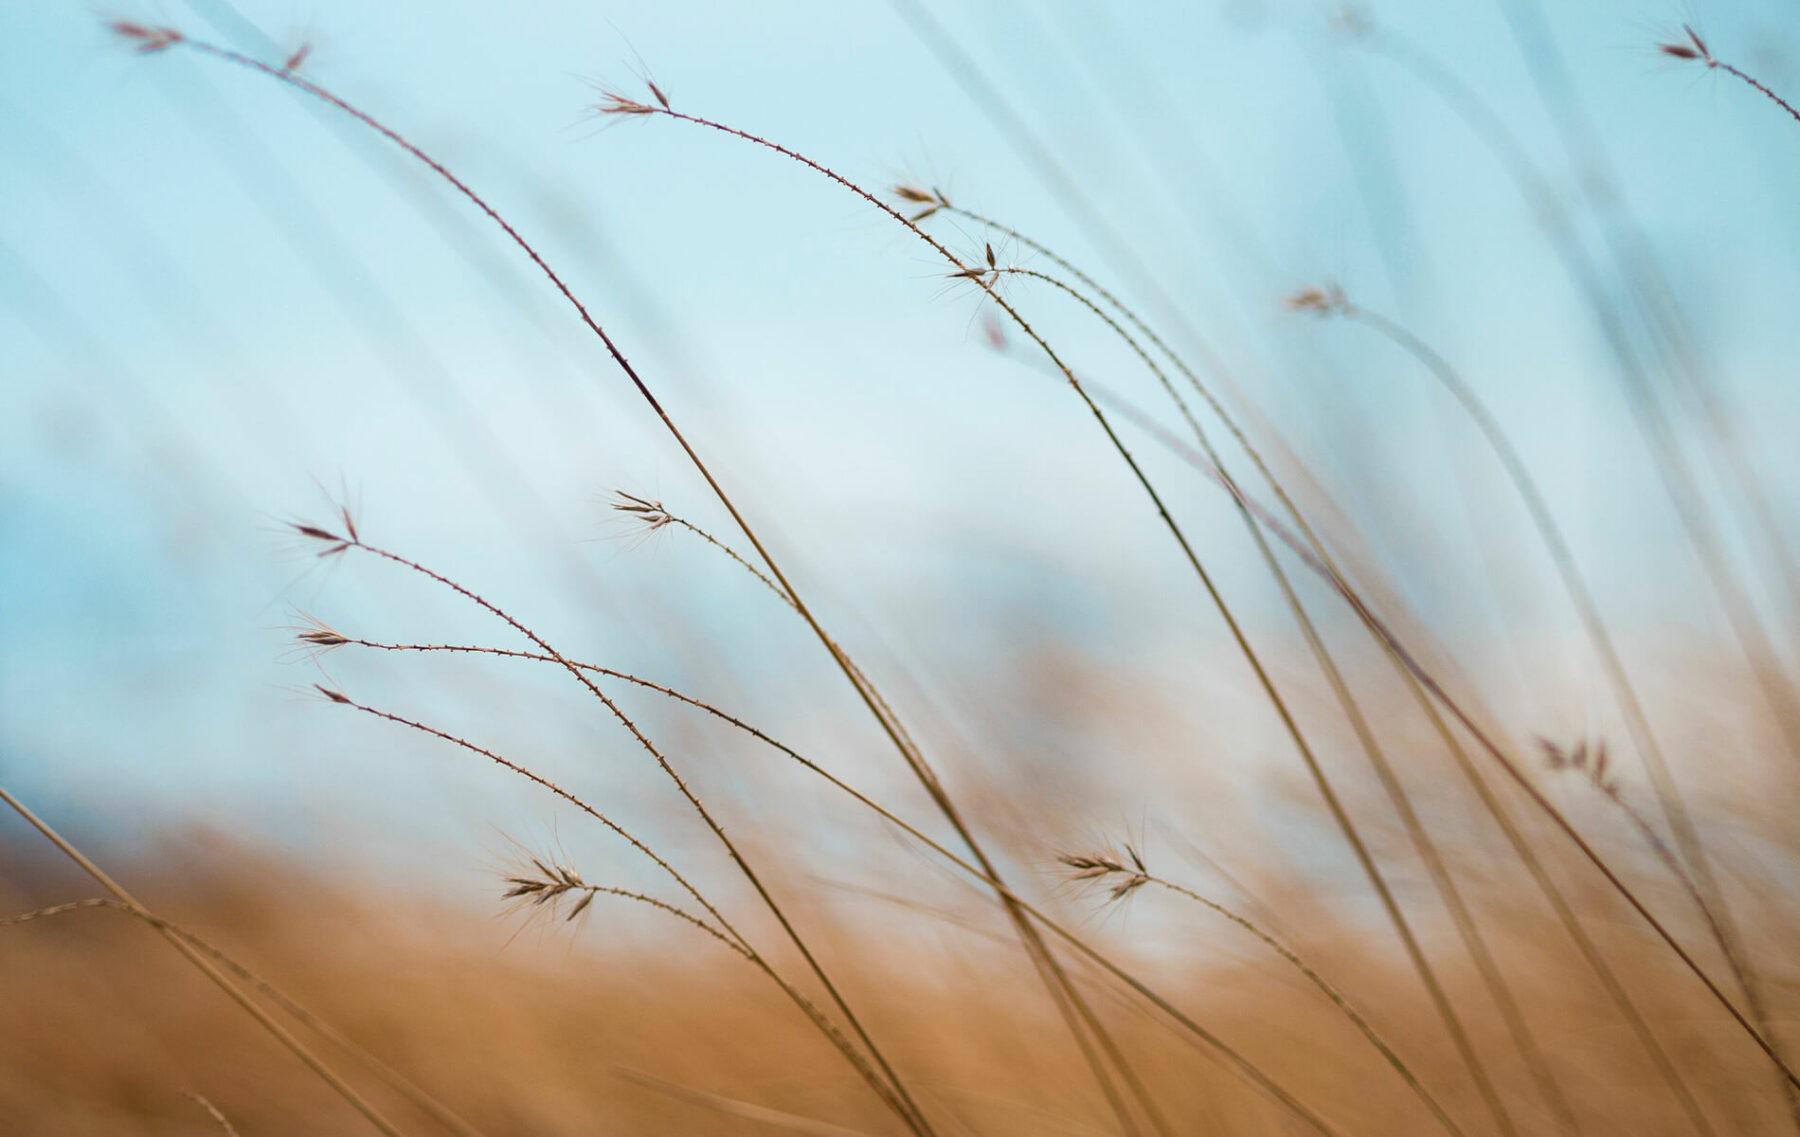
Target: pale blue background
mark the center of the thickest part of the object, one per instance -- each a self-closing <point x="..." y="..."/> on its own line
<point x="215" y="299"/>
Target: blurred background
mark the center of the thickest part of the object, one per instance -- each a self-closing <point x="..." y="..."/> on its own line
<point x="225" y="307"/>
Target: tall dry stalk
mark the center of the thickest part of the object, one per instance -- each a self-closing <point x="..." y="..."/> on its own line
<point x="1625" y="695"/>
<point x="1371" y="748"/>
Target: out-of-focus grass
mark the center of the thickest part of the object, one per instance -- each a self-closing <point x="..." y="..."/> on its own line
<point x="537" y="1030"/>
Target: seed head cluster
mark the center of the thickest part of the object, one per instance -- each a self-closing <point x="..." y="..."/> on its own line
<point x="1122" y="879"/>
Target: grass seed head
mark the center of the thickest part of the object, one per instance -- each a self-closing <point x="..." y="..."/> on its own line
<point x="651" y="514"/>
<point x="333" y="543"/>
<point x="145" y="37"/>
<point x="1591" y="764"/>
<point x="614" y="103"/>
<point x="318" y="633"/>
<point x="1694" y="49"/>
<point x="1122" y="879"/>
<point x="1320" y="301"/>
<point x="540" y="884"/>
<point x="932" y="199"/>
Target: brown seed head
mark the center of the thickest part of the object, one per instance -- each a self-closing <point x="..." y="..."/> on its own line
<point x="334" y="544"/>
<point x="1125" y="879"/>
<point x="613" y="103"/>
<point x="145" y="37"/>
<point x="1128" y="885"/>
<point x="334" y="696"/>
<point x="544" y="884"/>
<point x="1591" y="764"/>
<point x="650" y="513"/>
<point x="314" y="532"/>
<point x="1089" y="867"/>
<point x="1694" y="49"/>
<point x="1321" y="301"/>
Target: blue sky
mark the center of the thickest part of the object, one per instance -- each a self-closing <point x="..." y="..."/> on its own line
<point x="222" y="307"/>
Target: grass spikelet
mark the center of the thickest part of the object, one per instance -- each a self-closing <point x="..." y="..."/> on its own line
<point x="1121" y="880"/>
<point x="615" y="104"/>
<point x="650" y="514"/>
<point x="145" y="38"/>
<point x="316" y="633"/>
<point x="297" y="58"/>
<point x="1694" y="50"/>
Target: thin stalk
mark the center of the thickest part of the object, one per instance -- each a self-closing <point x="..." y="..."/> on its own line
<point x="1105" y="867"/>
<point x="1559" y="228"/>
<point x="1696" y="49"/>
<point x="1249" y="1070"/>
<point x="901" y="1100"/>
<point x="1064" y="186"/>
<point x="1631" y="250"/>
<point x="1559" y="904"/>
<point x="1425" y="689"/>
<point x="1595" y="774"/>
<point x="206" y="967"/>
<point x="731" y="1107"/>
<point x="725" y="932"/>
<point x="1641" y="269"/>
<point x="1624" y="694"/>
<point x="1321" y="561"/>
<point x="655" y="515"/>
<point x="214" y="1112"/>
<point x="1754" y="82"/>
<point x="1371" y="748"/>
<point x="396" y="1080"/>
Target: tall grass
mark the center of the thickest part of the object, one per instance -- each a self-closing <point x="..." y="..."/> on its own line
<point x="1119" y="1040"/>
